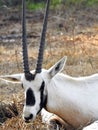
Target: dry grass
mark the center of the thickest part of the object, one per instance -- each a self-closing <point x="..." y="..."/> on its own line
<point x="82" y="60"/>
<point x="78" y="42"/>
<point x="12" y="114"/>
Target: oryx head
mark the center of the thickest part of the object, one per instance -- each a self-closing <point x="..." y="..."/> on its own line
<point x="34" y="82"/>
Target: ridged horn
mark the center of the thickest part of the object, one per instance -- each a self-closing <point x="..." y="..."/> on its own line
<point x="27" y="73"/>
<point x="42" y="40"/>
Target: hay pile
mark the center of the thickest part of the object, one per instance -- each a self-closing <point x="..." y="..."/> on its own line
<point x="7" y="111"/>
<point x="11" y="116"/>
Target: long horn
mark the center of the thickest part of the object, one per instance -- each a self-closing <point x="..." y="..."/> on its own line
<point x="24" y="42"/>
<point x="42" y="40"/>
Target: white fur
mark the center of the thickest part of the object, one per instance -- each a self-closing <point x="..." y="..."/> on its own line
<point x="75" y="100"/>
<point x="93" y="126"/>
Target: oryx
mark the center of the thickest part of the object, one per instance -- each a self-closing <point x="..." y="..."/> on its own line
<point x="93" y="126"/>
<point x="75" y="100"/>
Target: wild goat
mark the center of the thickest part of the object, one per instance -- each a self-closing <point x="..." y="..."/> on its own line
<point x="72" y="99"/>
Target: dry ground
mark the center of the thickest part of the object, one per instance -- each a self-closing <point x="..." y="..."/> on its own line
<point x="72" y="32"/>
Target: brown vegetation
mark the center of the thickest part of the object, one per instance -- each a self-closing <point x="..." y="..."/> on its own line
<point x="70" y="32"/>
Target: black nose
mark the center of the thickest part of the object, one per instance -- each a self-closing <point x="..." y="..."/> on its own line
<point x="27" y="119"/>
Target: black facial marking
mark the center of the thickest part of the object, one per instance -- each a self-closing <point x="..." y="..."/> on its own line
<point x="22" y="85"/>
<point x="29" y="76"/>
<point x="42" y="86"/>
<point x="43" y="98"/>
<point x="30" y="99"/>
<point x="42" y="95"/>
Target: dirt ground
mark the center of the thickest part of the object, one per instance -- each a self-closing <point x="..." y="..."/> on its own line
<point x="72" y="32"/>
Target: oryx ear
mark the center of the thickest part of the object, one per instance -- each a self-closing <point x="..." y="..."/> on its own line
<point x="57" y="67"/>
<point x="15" y="78"/>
